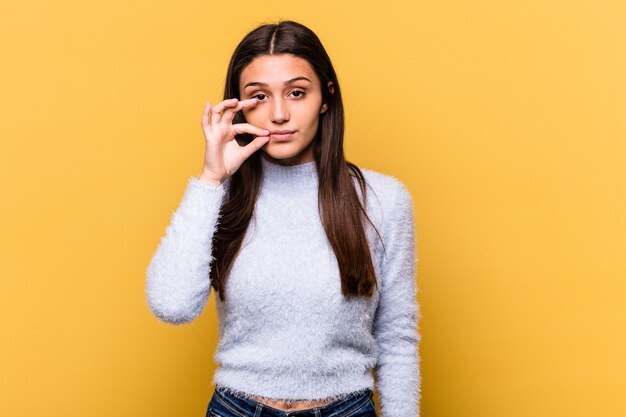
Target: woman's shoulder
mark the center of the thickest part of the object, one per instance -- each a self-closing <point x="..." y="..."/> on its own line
<point x="386" y="193"/>
<point x="385" y="185"/>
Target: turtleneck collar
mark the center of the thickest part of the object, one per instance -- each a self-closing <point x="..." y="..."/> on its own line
<point x="301" y="175"/>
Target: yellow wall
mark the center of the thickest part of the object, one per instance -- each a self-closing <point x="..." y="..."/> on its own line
<point x="506" y="119"/>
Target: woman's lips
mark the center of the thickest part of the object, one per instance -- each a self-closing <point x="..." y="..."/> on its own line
<point x="281" y="135"/>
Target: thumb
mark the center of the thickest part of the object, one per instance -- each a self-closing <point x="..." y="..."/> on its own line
<point x="254" y="146"/>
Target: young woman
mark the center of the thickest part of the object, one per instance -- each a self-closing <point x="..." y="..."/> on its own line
<point x="312" y="259"/>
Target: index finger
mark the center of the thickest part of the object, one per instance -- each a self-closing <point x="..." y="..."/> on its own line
<point x="246" y="103"/>
<point x="229" y="114"/>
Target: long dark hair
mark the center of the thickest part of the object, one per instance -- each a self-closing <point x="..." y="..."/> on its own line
<point x="341" y="212"/>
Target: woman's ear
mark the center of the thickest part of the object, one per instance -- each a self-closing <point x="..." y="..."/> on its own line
<point x="332" y="91"/>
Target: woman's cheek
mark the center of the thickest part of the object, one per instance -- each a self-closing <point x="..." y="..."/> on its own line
<point x="246" y="114"/>
<point x="250" y="111"/>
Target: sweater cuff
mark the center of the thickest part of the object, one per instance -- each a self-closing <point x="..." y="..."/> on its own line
<point x="202" y="201"/>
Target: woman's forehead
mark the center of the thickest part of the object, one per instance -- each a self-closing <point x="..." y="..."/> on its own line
<point x="276" y="70"/>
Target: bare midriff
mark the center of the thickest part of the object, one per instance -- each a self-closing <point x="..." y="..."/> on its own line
<point x="293" y="406"/>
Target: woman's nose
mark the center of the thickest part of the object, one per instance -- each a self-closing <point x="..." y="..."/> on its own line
<point x="280" y="112"/>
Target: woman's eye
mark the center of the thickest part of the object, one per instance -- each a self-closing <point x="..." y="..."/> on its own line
<point x="296" y="93"/>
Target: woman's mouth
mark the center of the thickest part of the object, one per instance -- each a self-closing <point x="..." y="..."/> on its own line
<point x="281" y="135"/>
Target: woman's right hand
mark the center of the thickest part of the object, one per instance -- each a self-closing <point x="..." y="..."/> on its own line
<point x="223" y="155"/>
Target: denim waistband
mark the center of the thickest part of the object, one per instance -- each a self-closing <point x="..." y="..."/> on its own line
<point x="247" y="407"/>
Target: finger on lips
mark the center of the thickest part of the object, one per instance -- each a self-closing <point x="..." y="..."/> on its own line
<point x="248" y="128"/>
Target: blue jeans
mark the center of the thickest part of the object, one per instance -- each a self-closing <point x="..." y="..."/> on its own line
<point x="225" y="404"/>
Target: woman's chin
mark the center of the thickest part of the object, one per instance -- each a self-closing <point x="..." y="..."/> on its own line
<point x="286" y="156"/>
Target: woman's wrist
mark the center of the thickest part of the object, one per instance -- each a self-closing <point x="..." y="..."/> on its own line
<point x="204" y="177"/>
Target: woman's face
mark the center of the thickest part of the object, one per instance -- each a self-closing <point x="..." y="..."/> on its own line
<point x="289" y="100"/>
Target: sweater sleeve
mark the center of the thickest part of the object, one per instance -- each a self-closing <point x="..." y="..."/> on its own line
<point x="398" y="377"/>
<point x="177" y="280"/>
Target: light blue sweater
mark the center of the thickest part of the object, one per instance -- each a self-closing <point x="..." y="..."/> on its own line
<point x="286" y="332"/>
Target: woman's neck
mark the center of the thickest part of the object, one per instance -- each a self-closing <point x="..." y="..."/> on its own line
<point x="290" y="175"/>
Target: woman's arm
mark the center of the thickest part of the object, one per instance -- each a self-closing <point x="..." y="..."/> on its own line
<point x="395" y="323"/>
<point x="178" y="283"/>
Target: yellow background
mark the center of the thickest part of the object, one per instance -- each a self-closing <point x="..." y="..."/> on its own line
<point x="506" y="119"/>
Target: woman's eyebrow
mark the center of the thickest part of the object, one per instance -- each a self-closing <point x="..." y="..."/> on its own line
<point x="291" y="81"/>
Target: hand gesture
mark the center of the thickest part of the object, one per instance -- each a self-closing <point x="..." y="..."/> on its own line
<point x="223" y="155"/>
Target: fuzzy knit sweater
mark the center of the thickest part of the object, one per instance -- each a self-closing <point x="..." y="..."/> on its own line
<point x="285" y="330"/>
